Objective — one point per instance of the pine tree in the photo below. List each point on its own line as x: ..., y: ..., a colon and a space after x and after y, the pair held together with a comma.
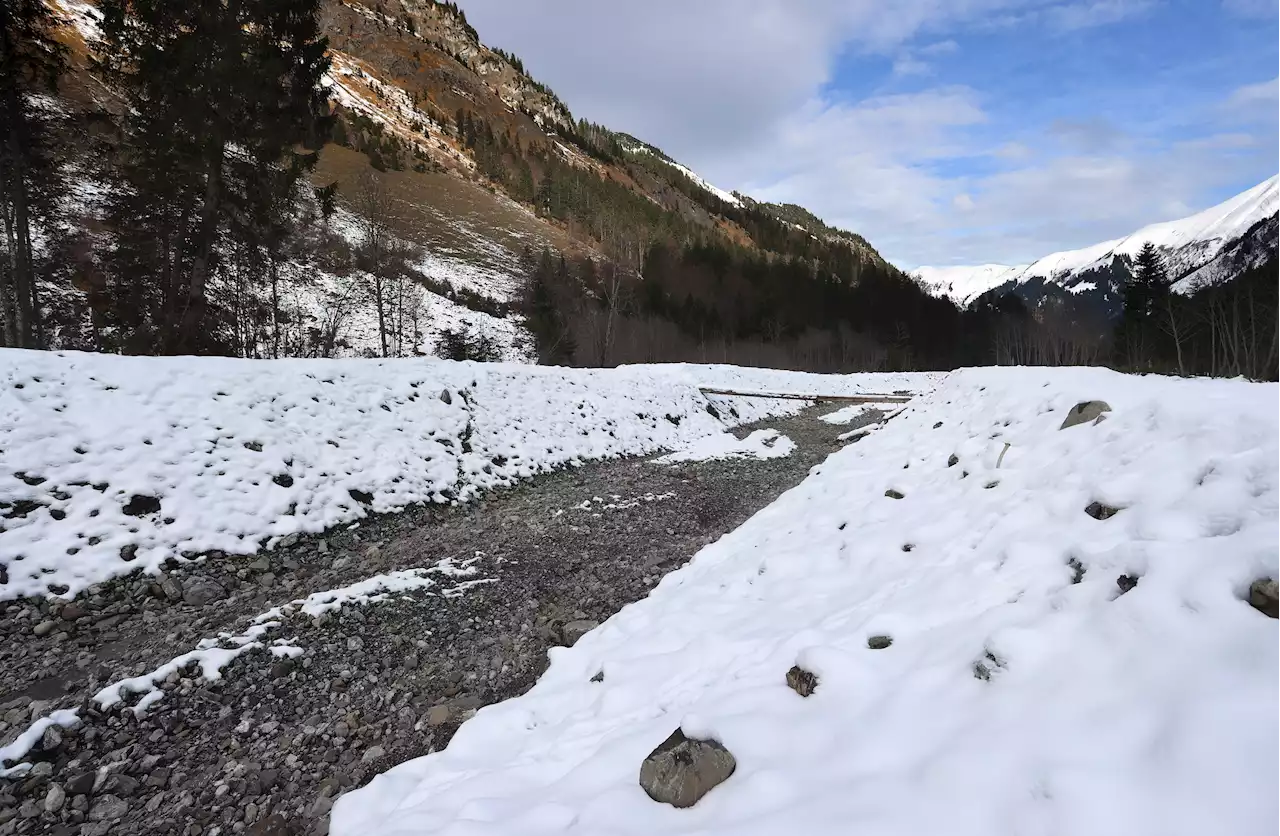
x: 220, y: 93
x: 31, y: 60
x: 1137, y: 335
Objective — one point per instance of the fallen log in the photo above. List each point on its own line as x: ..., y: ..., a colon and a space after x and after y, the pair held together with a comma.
x: 855, y: 399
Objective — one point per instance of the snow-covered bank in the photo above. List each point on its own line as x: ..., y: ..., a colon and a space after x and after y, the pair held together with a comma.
x: 111, y: 464
x: 1046, y: 671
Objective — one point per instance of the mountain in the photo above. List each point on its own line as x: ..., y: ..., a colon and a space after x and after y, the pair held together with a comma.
x: 1204, y: 249
x: 479, y: 164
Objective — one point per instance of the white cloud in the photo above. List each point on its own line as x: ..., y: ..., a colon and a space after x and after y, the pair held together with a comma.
x: 1094, y: 13
x: 736, y: 91
x: 1261, y: 95
x: 906, y: 65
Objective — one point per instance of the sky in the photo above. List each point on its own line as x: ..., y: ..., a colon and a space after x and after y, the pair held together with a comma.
x: 944, y: 131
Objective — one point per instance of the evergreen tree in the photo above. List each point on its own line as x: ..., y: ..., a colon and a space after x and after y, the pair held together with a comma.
x: 1138, y: 338
x: 31, y: 60
x: 220, y: 93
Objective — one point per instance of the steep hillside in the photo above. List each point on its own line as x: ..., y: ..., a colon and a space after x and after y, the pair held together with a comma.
x: 1204, y: 249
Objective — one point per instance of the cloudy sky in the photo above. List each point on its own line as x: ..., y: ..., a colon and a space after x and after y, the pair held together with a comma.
x: 945, y: 131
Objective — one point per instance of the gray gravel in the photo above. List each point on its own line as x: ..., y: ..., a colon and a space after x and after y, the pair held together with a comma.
x: 266, y: 749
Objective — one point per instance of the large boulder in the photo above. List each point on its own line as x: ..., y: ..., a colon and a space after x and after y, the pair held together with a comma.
x: 1084, y: 412
x: 682, y: 770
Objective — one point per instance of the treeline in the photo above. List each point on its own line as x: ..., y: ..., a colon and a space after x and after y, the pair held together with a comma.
x: 716, y: 303
x: 1225, y: 330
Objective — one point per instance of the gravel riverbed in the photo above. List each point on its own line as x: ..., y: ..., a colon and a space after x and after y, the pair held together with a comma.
x: 269, y: 746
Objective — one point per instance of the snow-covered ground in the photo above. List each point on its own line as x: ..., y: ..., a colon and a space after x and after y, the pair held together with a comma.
x: 1047, y: 672
x: 112, y: 464
x: 761, y: 444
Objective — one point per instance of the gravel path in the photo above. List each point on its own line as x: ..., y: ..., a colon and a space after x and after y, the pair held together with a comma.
x: 267, y: 748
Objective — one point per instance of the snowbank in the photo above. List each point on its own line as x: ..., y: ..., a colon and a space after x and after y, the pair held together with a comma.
x: 111, y: 464
x: 1024, y: 691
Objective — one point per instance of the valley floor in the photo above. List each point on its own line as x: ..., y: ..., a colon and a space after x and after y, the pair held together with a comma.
x: 267, y: 746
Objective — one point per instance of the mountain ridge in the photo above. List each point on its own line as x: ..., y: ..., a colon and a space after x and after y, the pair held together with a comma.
x: 1191, y: 248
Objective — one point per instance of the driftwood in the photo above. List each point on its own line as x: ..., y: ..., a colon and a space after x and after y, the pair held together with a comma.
x: 855, y: 399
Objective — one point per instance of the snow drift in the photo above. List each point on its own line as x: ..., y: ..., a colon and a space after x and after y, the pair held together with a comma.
x: 112, y: 464
x: 1047, y: 671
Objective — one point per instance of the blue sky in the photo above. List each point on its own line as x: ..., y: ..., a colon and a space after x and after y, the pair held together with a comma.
x: 945, y: 131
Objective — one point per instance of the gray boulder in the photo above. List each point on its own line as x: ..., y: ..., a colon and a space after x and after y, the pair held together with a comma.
x: 200, y: 591
x: 1085, y: 412
x: 1264, y: 596
x: 681, y: 770
x: 575, y: 630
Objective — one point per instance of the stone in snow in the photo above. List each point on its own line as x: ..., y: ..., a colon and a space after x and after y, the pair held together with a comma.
x: 575, y: 630
x: 1084, y: 412
x: 801, y: 681
x: 681, y: 770
x: 1264, y: 596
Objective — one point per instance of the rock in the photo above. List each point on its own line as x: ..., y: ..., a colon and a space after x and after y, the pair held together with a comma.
x: 81, y: 784
x: 267, y: 579
x: 71, y: 612
x: 108, y: 808
x: 322, y: 546
x: 200, y: 591
x: 879, y: 642
x: 44, y: 628
x: 51, y: 739
x: 30, y: 809
x: 801, y: 681
x: 599, y: 677
x: 140, y: 505
x: 171, y: 587
x: 953, y: 460
x: 574, y: 630
x: 1084, y: 412
x: 445, y: 396
x: 320, y: 808
x: 1100, y: 512
x: 438, y: 715
x: 1126, y: 582
x: 892, y: 494
x: 118, y: 783
x: 273, y: 825
x: 260, y: 564
x: 54, y: 798
x: 681, y: 770
x: 1264, y: 596
x: 372, y: 754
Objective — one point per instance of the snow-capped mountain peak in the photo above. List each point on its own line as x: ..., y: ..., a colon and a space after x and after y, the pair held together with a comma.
x: 1194, y: 248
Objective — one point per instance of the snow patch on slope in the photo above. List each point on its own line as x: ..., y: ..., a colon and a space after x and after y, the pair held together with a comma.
x: 1186, y: 245
x: 1025, y: 690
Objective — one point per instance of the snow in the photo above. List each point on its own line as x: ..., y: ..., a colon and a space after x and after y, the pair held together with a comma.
x: 761, y: 444
x: 115, y: 464
x: 964, y: 284
x: 1011, y: 701
x: 1186, y: 245
x: 727, y: 197
x: 848, y: 414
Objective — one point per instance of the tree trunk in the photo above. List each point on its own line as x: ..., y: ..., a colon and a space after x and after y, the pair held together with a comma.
x: 185, y: 328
